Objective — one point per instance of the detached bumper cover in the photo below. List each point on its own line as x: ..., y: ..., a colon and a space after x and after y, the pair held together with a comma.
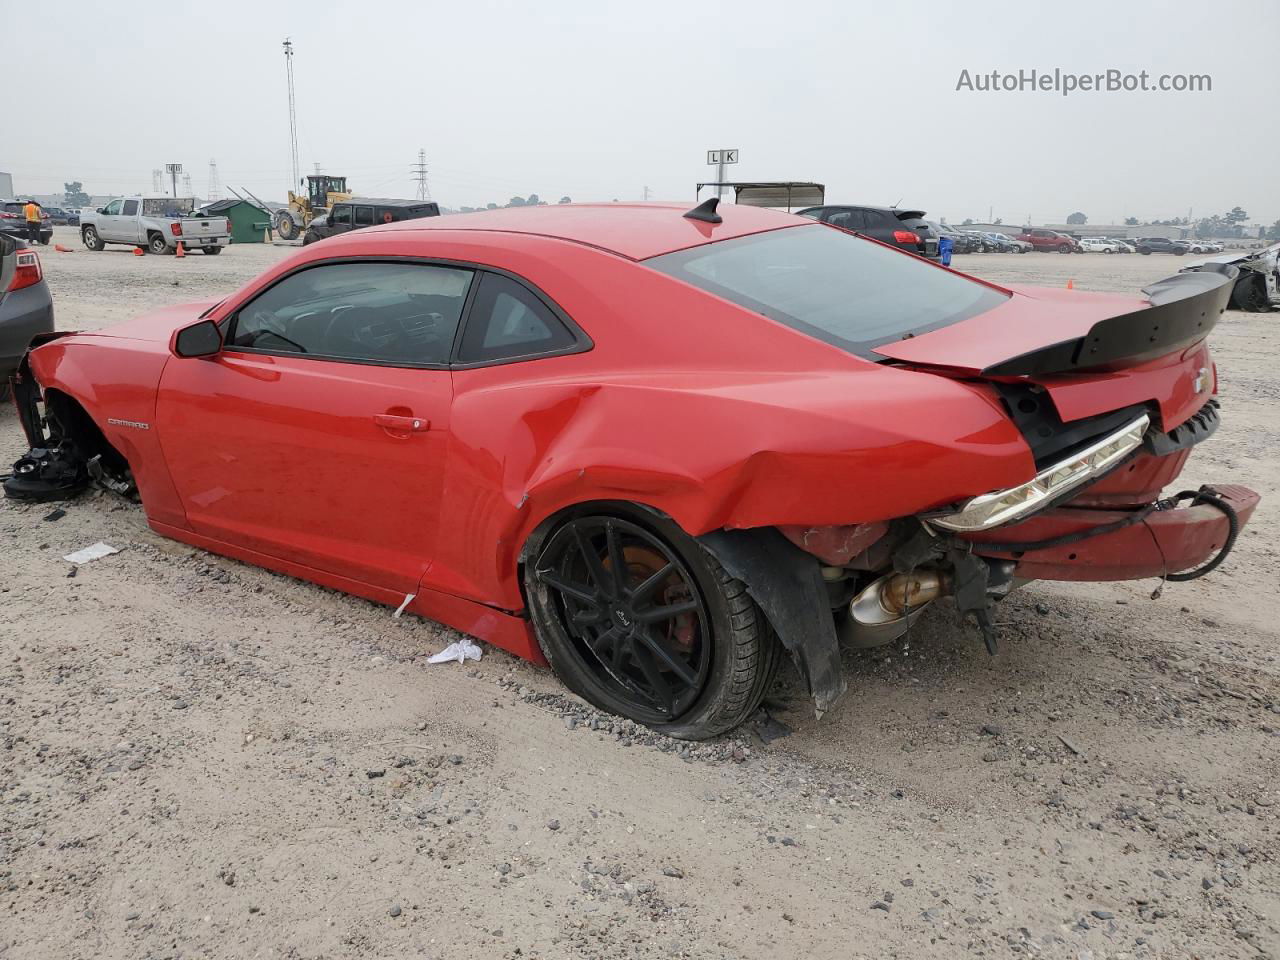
x: 1166, y: 541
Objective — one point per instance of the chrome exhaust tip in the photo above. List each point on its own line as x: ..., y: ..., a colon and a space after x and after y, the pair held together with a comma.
x: 884, y: 609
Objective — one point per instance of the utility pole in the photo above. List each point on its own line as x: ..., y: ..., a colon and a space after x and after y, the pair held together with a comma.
x: 215, y: 191
x: 420, y: 174
x: 293, y: 116
x: 173, y: 169
x: 646, y: 194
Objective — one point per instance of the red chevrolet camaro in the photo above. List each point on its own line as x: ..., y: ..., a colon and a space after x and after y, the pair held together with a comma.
x: 652, y: 447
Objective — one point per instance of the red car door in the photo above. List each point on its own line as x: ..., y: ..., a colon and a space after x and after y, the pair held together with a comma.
x: 318, y: 434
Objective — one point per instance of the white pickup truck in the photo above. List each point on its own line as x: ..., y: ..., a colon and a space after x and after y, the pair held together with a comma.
x: 157, y: 224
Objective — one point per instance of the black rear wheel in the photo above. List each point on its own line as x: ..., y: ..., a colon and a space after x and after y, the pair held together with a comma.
x: 637, y: 618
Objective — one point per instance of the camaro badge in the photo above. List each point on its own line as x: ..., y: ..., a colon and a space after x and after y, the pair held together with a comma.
x: 136, y: 424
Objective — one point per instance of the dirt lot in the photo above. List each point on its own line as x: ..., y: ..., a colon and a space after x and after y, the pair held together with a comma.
x: 203, y: 759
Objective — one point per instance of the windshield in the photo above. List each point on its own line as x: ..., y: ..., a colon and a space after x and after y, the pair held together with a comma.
x: 840, y: 288
x: 168, y: 207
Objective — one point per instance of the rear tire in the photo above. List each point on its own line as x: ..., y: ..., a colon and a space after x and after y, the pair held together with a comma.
x: 90, y: 237
x: 156, y: 244
x: 211, y: 251
x: 692, y: 674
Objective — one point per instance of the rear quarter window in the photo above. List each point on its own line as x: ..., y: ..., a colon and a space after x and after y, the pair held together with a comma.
x: 844, y: 290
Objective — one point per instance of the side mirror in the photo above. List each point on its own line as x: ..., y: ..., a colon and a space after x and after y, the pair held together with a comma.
x: 102, y: 209
x: 202, y: 339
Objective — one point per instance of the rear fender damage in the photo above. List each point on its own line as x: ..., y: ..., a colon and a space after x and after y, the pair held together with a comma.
x: 787, y: 584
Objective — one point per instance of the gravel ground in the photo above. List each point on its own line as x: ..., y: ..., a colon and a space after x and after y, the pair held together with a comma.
x: 204, y: 759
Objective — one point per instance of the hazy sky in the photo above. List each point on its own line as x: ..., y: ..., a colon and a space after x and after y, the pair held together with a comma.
x: 597, y: 100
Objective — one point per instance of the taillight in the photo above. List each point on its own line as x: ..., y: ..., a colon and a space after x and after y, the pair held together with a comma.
x: 175, y: 228
x: 8, y: 216
x: 905, y: 236
x: 28, y: 271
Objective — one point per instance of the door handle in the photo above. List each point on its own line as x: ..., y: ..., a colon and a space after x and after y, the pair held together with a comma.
x: 402, y: 424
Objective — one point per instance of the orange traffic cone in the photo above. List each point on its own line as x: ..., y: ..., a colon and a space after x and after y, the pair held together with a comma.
x: 180, y: 252
x: 61, y: 249
x: 1070, y: 285
x: 137, y: 251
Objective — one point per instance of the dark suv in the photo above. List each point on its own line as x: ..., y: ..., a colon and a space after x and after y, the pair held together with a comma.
x: 13, y: 221
x: 1161, y: 245
x: 1041, y: 239
x: 366, y: 212
x: 905, y: 229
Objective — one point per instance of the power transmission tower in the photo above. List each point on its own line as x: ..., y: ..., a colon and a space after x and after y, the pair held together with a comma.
x: 156, y: 174
x: 186, y: 184
x: 420, y: 174
x: 293, y: 117
x: 215, y: 191
x: 646, y: 194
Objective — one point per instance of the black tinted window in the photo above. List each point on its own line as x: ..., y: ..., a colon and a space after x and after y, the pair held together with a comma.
x: 849, y: 219
x: 391, y: 312
x: 130, y: 208
x: 838, y: 288
x: 364, y: 216
x: 341, y: 215
x: 507, y: 320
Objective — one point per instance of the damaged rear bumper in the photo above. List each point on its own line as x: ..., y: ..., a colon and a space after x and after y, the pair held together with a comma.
x: 1163, y: 542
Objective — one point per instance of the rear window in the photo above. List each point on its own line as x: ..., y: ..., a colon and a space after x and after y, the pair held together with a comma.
x: 173, y: 208
x: 841, y: 289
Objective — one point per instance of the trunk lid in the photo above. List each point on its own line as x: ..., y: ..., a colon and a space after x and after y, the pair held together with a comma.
x: 1093, y: 353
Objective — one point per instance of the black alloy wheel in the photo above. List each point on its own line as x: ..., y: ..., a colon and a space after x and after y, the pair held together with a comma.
x: 641, y: 621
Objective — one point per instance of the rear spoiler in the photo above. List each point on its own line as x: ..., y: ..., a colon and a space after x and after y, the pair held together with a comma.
x: 1184, y: 308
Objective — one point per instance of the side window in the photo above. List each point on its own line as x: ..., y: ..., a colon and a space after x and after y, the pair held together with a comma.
x: 507, y: 320
x: 364, y: 216
x: 112, y: 209
x: 398, y: 313
x: 130, y: 208
x: 849, y: 219
x: 388, y: 214
x: 875, y: 220
x: 341, y: 215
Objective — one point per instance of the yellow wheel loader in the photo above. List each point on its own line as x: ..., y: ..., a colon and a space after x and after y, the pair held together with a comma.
x: 322, y: 192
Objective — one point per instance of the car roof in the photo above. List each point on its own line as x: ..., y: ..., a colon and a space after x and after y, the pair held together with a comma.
x: 898, y: 212
x: 387, y: 202
x: 633, y: 230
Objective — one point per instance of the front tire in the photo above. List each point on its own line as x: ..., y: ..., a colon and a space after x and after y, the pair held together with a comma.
x: 90, y: 237
x: 286, y: 227
x: 674, y: 642
x: 1064, y: 248
x: 1249, y: 294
